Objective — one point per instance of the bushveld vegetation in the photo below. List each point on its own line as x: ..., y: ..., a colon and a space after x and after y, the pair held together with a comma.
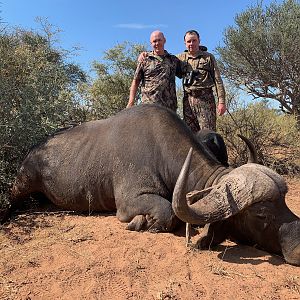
x: 38, y: 94
x: 42, y: 91
x: 274, y: 135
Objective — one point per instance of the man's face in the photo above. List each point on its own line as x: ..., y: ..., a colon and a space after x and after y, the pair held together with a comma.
x: 192, y: 42
x: 157, y: 41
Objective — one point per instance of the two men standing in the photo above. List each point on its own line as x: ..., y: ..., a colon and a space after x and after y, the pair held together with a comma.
x: 198, y: 68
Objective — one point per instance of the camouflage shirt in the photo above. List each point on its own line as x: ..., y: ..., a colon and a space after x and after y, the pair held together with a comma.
x: 157, y: 74
x: 207, y: 74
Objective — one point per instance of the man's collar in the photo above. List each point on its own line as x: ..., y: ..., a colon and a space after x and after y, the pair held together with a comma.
x: 200, y: 51
x: 166, y: 53
x: 159, y: 57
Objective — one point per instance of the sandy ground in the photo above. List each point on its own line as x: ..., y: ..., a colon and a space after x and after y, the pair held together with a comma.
x: 67, y: 256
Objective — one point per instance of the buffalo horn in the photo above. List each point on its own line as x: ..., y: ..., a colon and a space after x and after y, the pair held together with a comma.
x: 252, y: 151
x: 236, y: 190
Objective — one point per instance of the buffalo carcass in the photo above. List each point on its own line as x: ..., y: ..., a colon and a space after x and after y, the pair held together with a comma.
x: 130, y: 163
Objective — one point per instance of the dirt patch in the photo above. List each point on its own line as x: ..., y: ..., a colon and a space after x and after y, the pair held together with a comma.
x: 65, y: 256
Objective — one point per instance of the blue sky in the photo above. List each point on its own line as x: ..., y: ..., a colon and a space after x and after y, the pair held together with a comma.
x: 97, y: 26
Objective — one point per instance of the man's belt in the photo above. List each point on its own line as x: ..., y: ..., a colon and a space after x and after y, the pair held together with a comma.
x: 200, y: 92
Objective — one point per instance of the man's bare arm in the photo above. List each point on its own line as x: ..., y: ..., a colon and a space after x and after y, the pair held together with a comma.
x: 133, y: 90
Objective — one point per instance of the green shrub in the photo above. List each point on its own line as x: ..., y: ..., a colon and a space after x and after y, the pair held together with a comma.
x: 38, y: 94
x: 274, y: 135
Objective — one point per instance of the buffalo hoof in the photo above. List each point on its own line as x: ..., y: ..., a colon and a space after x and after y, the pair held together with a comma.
x: 289, y: 236
x: 145, y: 223
x: 137, y: 223
x: 205, y: 239
x: 211, y: 235
x: 5, y: 214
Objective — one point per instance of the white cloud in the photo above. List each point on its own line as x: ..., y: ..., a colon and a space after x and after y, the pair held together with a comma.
x: 140, y: 26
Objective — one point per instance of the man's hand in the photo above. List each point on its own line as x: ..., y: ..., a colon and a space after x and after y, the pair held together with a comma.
x: 221, y: 109
x: 142, y: 56
x: 129, y: 104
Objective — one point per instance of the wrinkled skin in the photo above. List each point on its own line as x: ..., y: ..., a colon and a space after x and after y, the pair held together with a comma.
x: 268, y: 224
x: 131, y: 162
x: 252, y: 226
x: 128, y: 163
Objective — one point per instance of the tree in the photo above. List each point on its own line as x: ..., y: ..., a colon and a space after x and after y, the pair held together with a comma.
x: 109, y: 92
x: 261, y: 54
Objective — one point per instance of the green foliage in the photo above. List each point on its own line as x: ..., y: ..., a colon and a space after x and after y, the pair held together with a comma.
x: 38, y: 94
x: 109, y: 92
x: 261, y: 53
x: 274, y: 135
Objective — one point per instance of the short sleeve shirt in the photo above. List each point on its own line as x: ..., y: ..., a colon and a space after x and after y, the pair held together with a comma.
x: 157, y: 74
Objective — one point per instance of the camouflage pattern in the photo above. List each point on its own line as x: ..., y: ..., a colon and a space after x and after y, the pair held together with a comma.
x: 199, y: 110
x: 157, y: 74
x: 199, y: 107
x: 207, y: 74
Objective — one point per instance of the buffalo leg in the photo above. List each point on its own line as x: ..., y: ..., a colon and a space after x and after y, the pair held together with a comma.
x: 147, y: 212
x: 21, y: 190
x: 211, y: 235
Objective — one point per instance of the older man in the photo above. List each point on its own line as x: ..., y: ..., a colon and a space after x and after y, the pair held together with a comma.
x: 157, y: 74
x: 199, y: 107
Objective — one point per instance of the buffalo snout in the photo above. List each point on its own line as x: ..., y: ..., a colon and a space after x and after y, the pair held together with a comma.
x: 289, y: 238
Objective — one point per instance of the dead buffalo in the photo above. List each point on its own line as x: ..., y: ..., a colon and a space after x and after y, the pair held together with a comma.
x: 131, y: 162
